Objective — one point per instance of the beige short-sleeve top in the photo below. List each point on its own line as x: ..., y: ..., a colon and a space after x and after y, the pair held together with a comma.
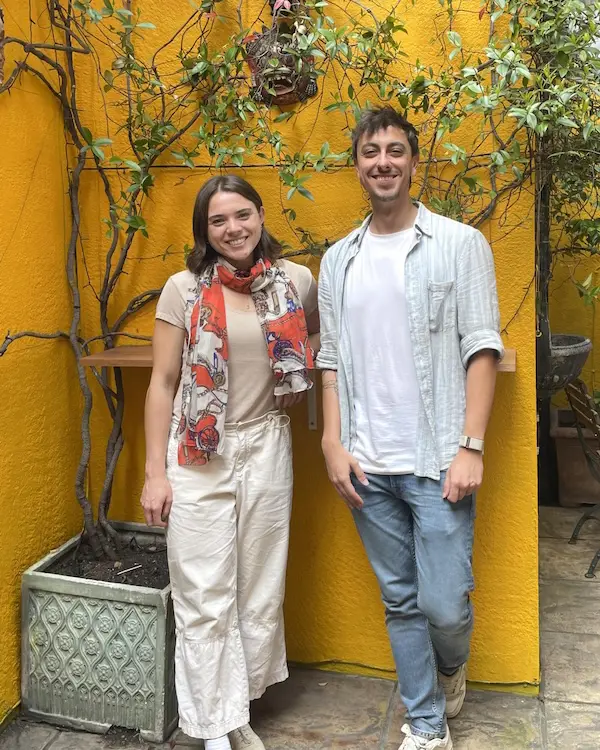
x: 251, y: 382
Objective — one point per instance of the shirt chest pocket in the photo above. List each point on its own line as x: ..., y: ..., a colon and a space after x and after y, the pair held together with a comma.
x: 442, y: 305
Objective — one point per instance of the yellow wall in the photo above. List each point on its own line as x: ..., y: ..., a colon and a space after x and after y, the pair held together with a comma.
x: 333, y: 608
x: 39, y: 405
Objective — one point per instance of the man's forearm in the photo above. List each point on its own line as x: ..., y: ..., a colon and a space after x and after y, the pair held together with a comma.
x: 480, y: 386
x: 331, y: 408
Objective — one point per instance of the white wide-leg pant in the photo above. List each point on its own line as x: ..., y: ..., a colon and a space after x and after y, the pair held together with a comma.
x: 227, y: 542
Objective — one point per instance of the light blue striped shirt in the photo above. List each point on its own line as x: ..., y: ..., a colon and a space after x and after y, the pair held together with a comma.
x: 452, y: 314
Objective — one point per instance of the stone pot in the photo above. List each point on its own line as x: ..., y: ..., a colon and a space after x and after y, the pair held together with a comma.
x: 576, y: 484
x: 98, y: 654
x: 568, y: 354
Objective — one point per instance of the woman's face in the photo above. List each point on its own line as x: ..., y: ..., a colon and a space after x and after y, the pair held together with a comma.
x: 234, y: 228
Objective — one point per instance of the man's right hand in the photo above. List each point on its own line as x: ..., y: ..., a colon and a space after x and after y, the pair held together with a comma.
x: 157, y: 498
x: 340, y: 465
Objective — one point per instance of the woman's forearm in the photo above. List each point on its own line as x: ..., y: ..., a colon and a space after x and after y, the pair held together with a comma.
x: 157, y: 421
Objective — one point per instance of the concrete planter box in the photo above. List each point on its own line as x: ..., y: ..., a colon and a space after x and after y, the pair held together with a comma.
x: 576, y: 485
x: 98, y: 654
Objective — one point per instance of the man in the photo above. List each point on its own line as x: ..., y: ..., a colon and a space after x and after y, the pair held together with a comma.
x: 409, y: 347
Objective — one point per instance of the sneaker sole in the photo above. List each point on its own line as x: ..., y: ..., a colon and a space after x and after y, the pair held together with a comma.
x: 452, y: 714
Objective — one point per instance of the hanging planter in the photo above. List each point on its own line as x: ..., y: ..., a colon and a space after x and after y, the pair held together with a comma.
x: 568, y: 353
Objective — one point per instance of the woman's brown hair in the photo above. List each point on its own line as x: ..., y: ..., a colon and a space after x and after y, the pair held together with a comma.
x: 203, y: 255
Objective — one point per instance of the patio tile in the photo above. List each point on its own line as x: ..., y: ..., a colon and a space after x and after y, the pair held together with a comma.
x: 558, y: 523
x: 83, y: 741
x: 571, y: 667
x: 570, y: 607
x: 494, y: 721
x: 315, y: 710
x: 181, y: 741
x: 572, y: 726
x: 23, y: 736
x: 562, y: 561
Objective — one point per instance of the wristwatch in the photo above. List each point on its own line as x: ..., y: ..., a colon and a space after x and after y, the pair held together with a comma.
x: 471, y: 443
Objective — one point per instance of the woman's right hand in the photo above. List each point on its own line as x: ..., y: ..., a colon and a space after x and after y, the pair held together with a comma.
x: 157, y: 498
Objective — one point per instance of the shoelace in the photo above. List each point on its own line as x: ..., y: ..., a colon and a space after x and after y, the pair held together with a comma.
x: 411, y: 742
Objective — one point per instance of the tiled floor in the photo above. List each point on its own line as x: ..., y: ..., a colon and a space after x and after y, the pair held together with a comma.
x: 326, y: 711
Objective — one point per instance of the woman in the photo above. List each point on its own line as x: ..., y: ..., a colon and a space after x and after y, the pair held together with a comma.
x: 233, y: 330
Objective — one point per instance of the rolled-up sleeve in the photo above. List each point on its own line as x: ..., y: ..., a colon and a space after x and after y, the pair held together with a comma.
x: 327, y: 358
x: 477, y: 300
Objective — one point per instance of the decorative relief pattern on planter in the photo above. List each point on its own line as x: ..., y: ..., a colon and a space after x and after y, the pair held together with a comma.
x: 98, y: 654
x: 110, y: 678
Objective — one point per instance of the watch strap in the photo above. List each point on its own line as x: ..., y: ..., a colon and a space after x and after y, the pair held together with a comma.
x: 471, y: 443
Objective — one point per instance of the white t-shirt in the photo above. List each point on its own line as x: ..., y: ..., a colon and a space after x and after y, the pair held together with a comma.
x: 386, y: 390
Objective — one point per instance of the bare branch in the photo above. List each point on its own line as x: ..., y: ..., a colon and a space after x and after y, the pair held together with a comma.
x: 107, y: 336
x: 136, y: 304
x: 10, y: 337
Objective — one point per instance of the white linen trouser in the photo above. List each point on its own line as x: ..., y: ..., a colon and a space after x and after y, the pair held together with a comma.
x: 227, y: 543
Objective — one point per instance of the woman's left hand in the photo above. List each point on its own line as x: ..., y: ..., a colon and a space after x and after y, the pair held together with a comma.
x: 290, y: 399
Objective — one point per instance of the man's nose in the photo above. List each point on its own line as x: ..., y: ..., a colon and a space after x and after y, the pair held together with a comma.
x: 383, y: 162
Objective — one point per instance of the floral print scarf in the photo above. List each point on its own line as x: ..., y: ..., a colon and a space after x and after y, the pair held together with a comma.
x: 205, y: 382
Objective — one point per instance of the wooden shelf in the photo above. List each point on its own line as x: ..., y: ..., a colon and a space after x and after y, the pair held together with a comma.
x: 509, y: 362
x: 121, y: 356
x: 141, y: 356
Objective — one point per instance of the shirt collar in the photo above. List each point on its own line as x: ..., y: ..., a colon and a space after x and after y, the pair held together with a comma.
x: 422, y: 224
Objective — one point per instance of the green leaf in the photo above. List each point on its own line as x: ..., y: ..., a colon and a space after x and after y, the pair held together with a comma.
x: 454, y: 38
x: 283, y: 116
x: 87, y: 135
x: 567, y: 122
x: 306, y: 193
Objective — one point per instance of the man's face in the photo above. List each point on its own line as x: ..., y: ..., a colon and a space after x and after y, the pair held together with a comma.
x: 385, y: 164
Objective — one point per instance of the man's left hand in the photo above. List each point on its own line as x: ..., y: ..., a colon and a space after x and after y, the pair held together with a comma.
x: 464, y: 475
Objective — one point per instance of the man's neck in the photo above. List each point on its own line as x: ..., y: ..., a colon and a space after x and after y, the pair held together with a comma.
x: 392, y: 217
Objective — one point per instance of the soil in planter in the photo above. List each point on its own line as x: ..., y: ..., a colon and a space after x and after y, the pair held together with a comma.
x: 135, y: 565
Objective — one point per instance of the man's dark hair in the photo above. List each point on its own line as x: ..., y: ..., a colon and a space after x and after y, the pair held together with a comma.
x: 373, y: 120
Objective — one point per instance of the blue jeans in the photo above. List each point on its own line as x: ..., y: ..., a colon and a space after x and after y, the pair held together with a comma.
x: 420, y: 548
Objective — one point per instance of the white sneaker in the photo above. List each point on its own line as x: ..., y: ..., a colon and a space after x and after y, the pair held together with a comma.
x: 414, y: 742
x: 455, y: 688
x: 244, y: 738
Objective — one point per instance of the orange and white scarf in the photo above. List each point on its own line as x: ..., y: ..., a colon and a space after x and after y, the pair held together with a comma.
x: 205, y: 379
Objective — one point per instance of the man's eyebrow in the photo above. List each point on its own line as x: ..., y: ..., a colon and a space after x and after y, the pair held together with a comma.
x: 393, y: 144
